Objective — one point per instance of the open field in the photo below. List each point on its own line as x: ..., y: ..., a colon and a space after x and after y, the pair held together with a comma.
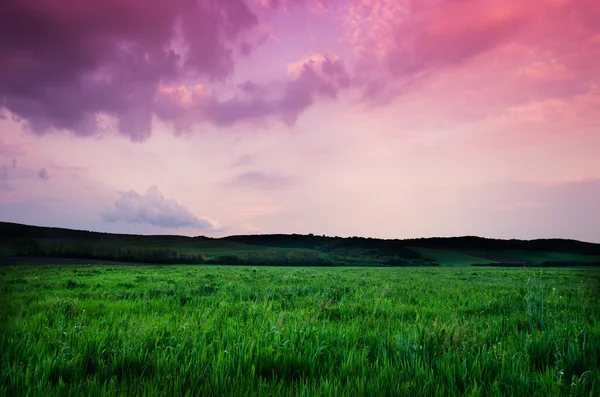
x: 457, y: 257
x: 446, y: 257
x: 216, y: 330
x: 541, y: 256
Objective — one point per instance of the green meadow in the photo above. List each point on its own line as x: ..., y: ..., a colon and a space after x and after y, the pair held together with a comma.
x: 447, y: 257
x: 298, y: 331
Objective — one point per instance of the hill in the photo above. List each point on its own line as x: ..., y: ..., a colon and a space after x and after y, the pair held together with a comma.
x: 292, y: 249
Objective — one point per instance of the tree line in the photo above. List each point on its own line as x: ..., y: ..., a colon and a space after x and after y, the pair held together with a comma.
x: 32, y: 248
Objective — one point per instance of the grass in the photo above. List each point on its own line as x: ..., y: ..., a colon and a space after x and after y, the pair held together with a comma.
x: 453, y: 257
x: 446, y: 257
x: 547, y: 256
x: 224, y: 330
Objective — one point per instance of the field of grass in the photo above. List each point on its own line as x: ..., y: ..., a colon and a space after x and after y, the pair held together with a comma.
x: 546, y: 256
x: 452, y: 257
x: 447, y: 257
x: 220, y: 331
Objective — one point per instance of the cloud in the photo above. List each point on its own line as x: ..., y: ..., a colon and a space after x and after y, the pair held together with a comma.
x: 11, y: 149
x: 397, y: 42
x: 250, y: 88
x: 262, y: 181
x: 316, y: 76
x: 243, y: 160
x: 72, y: 66
x: 62, y: 64
x: 314, y: 5
x: 43, y: 174
x: 154, y: 209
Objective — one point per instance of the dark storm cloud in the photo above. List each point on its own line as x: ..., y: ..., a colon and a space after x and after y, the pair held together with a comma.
x: 63, y: 62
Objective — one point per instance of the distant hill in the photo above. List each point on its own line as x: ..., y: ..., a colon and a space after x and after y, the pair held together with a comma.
x: 329, y: 244
x: 16, y: 230
x: 480, y: 243
x: 294, y: 249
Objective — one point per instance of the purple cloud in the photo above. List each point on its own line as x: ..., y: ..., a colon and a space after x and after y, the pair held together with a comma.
x: 243, y: 160
x: 67, y: 63
x: 261, y: 181
x: 251, y: 88
x: 43, y: 174
x: 320, y: 75
x: 10, y: 149
x: 63, y: 63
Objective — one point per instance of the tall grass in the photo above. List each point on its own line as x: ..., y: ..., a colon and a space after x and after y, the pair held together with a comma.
x: 210, y: 330
x: 306, y: 257
x: 535, y: 302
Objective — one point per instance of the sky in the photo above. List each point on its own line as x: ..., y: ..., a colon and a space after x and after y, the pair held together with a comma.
x: 381, y: 118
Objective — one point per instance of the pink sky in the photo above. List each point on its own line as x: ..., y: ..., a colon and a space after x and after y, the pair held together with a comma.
x: 383, y: 118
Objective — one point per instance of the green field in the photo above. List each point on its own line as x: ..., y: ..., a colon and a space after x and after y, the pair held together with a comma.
x: 224, y: 330
x: 454, y: 257
x: 541, y: 256
x: 447, y: 257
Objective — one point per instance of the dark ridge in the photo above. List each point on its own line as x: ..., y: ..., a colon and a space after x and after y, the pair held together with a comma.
x: 481, y: 243
x: 52, y: 241
x: 10, y: 230
x: 455, y: 243
x: 328, y: 244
